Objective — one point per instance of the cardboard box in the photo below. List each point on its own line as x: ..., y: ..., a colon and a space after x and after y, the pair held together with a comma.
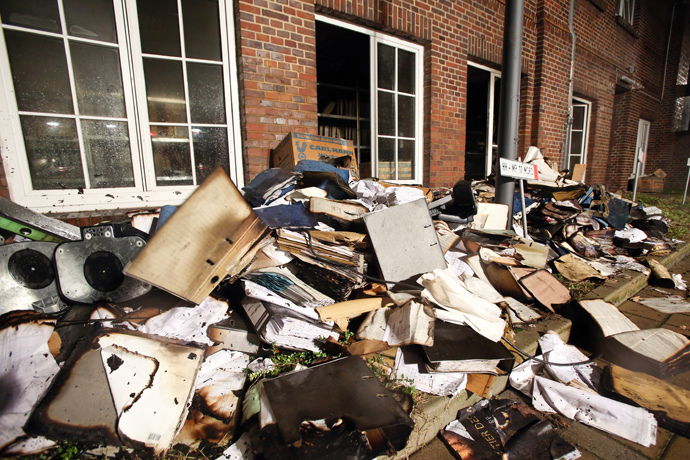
x: 654, y: 182
x: 298, y: 146
x: 486, y: 385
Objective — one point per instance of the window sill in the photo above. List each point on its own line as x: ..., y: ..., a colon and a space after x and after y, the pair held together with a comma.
x: 627, y: 26
x: 601, y: 4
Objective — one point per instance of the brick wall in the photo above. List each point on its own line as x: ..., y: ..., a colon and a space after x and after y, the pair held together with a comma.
x: 277, y: 70
x: 677, y: 143
x: 452, y: 33
x: 278, y: 73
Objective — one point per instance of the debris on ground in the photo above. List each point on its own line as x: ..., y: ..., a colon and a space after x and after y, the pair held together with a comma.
x: 303, y: 317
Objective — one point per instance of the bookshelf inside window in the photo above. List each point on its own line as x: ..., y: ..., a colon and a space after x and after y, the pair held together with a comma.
x: 344, y: 114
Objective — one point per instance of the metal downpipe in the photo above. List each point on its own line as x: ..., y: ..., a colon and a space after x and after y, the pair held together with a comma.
x: 509, y: 108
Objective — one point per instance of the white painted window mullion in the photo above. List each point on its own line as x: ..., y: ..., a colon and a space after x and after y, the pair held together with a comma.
x: 75, y: 101
x: 229, y: 66
x: 183, y: 50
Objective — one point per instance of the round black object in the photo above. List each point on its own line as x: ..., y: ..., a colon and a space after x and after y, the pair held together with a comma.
x: 103, y: 271
x: 31, y: 269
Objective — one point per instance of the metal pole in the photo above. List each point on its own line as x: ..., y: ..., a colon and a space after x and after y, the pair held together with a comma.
x: 524, y: 211
x: 509, y: 109
x: 685, y: 194
x: 638, y: 166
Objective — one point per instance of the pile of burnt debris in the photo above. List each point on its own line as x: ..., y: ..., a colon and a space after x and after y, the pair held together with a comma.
x: 287, y: 320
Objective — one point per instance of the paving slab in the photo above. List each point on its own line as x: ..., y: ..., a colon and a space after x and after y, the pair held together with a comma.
x: 635, y: 308
x: 593, y: 443
x: 678, y: 449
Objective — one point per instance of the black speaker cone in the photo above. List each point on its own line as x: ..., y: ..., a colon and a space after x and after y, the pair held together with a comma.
x: 103, y: 271
x: 31, y: 269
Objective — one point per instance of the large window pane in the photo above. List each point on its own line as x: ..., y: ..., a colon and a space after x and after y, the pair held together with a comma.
x: 165, y: 91
x: 39, y: 71
x: 405, y: 116
x: 578, y: 117
x: 576, y: 143
x: 52, y: 148
x: 159, y: 27
x: 98, y: 81
x: 108, y: 157
x: 206, y: 98
x: 386, y: 115
x: 93, y: 19
x: 386, y: 162
x: 406, y: 161
x: 210, y: 151
x: 406, y: 72
x: 34, y: 14
x: 386, y: 66
x: 201, y: 29
x: 171, y: 155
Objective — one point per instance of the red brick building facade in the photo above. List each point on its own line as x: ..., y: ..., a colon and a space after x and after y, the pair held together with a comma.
x: 630, y: 72
x: 277, y: 66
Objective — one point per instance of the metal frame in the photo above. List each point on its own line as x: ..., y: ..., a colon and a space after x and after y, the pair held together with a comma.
x: 145, y: 193
x: 418, y: 50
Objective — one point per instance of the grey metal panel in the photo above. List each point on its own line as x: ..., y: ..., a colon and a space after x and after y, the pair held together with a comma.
x: 26, y: 216
x: 27, y: 277
x: 405, y: 241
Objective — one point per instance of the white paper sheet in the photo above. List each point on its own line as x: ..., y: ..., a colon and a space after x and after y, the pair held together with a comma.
x: 443, y: 288
x: 572, y: 401
x: 437, y: 383
x: 631, y: 423
x: 608, y: 317
x: 188, y: 324
x: 669, y: 305
x: 26, y: 369
x: 241, y: 450
x: 409, y: 324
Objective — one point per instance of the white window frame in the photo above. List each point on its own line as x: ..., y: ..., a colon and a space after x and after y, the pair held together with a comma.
x: 145, y: 193
x: 585, y: 137
x: 374, y: 39
x: 625, y: 9
x: 491, y: 99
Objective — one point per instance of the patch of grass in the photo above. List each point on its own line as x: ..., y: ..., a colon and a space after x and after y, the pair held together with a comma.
x: 580, y: 288
x: 286, y: 361
x: 671, y: 203
x: 392, y: 381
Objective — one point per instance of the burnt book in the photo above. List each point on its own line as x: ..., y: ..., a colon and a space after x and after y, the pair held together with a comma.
x: 659, y: 352
x: 461, y: 349
x: 286, y: 328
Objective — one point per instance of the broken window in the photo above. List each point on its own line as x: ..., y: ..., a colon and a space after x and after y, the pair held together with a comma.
x: 119, y: 103
x: 370, y: 89
x: 625, y: 10
x: 579, y: 133
x: 481, y: 147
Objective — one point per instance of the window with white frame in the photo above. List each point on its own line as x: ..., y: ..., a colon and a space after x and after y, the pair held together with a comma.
x: 625, y: 10
x: 387, y: 120
x: 579, y: 133
x: 481, y: 139
x: 115, y: 103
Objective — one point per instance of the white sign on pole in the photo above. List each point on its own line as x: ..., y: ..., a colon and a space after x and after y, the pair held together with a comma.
x: 518, y: 170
